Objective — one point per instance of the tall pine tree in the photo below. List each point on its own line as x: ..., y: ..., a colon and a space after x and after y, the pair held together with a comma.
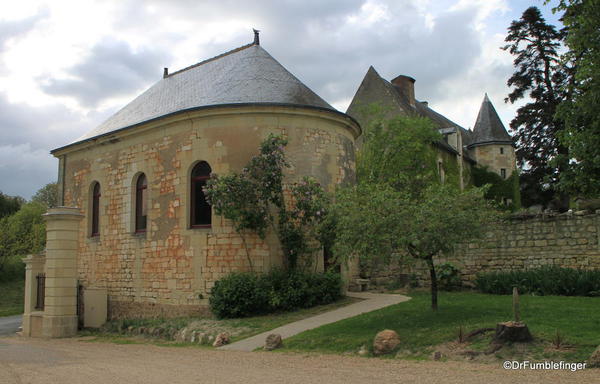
x: 540, y: 76
x: 580, y: 112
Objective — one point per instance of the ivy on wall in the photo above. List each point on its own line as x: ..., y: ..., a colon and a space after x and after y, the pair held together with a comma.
x: 505, y: 191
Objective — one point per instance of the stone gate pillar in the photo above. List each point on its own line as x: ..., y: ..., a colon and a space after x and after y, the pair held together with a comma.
x: 60, y: 305
x: 32, y: 316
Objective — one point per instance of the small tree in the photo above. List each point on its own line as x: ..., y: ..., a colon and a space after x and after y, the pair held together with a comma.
x: 47, y: 195
x: 400, y: 207
x: 254, y: 201
x: 380, y: 224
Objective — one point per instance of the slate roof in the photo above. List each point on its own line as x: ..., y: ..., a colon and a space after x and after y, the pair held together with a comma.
x: 488, y: 127
x: 245, y: 75
x: 375, y: 88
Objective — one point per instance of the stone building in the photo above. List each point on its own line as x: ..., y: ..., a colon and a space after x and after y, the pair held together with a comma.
x: 147, y: 235
x: 489, y: 144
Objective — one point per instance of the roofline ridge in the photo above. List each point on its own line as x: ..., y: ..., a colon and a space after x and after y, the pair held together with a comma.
x: 212, y: 59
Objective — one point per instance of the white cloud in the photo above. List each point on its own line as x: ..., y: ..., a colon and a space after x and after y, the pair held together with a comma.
x: 66, y: 65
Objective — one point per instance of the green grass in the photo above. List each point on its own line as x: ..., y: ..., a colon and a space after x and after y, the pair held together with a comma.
x: 421, y: 329
x: 251, y: 325
x: 11, y: 297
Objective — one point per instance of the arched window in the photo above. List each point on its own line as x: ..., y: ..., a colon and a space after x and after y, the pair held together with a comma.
x: 141, y: 203
x: 96, y: 210
x: 200, y: 214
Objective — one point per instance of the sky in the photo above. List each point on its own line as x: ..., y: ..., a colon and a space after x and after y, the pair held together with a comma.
x: 66, y: 66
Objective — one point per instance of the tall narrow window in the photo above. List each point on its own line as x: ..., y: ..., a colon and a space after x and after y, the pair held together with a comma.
x: 503, y: 173
x: 200, y: 215
x: 441, y: 171
x: 501, y: 151
x: 96, y: 210
x: 141, y: 203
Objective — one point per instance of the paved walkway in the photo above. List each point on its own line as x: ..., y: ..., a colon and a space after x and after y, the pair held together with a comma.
x: 371, y: 302
x: 10, y: 324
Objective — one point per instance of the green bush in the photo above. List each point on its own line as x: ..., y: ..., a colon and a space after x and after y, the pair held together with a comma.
x: 242, y: 294
x: 448, y: 277
x: 547, y: 280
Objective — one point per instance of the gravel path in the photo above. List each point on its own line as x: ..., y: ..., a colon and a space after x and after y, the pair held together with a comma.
x: 371, y: 302
x: 74, y: 361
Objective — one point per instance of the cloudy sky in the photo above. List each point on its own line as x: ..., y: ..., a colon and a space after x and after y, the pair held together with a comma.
x: 65, y: 66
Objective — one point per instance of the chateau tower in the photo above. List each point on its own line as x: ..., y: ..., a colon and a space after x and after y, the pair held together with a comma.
x: 491, y: 145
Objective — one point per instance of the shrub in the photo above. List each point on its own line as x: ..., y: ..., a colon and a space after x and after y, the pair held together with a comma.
x: 547, y: 280
x: 448, y: 277
x: 246, y: 294
x: 238, y: 295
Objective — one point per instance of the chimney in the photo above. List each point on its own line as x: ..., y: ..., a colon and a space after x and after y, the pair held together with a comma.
x: 165, y: 73
x: 406, y: 86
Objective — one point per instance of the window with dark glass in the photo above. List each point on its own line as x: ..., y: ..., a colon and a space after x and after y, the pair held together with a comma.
x: 200, y: 215
x: 501, y: 151
x: 141, y: 203
x: 96, y: 210
x: 503, y: 173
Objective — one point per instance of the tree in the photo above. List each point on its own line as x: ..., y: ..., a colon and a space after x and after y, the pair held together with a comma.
x: 579, y: 112
x: 399, y: 207
x: 22, y: 233
x: 254, y: 201
x: 47, y: 195
x: 398, y: 152
x: 9, y: 204
x: 540, y: 76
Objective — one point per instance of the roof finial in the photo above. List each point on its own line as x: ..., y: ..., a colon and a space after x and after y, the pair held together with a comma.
x: 256, y: 38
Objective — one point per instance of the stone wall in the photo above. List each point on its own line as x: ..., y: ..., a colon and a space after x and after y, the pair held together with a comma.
x: 521, y: 242
x: 171, y: 268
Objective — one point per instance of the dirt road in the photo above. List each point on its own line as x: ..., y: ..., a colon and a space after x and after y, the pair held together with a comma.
x: 76, y: 361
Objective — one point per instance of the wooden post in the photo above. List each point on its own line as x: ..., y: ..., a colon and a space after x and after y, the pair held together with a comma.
x: 516, y: 309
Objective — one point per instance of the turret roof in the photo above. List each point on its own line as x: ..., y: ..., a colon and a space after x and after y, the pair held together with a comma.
x: 488, y: 127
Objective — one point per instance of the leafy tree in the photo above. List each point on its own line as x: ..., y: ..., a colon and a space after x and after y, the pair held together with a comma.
x: 540, y: 76
x: 22, y: 233
x: 399, y: 206
x: 580, y: 111
x: 254, y: 201
x: 47, y: 195
x: 398, y: 152
x: 9, y: 204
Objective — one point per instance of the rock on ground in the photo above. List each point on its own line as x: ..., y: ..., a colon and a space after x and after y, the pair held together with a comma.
x: 594, y: 360
x: 273, y: 341
x: 385, y: 342
x: 221, y: 339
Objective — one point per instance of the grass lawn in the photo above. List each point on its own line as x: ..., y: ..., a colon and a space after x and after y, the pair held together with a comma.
x: 11, y: 297
x: 577, y: 320
x: 240, y: 328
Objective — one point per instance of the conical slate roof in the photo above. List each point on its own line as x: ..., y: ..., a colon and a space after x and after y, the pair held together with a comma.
x: 488, y: 127
x: 246, y: 75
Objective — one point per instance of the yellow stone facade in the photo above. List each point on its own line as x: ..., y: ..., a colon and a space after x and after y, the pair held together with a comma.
x: 496, y: 157
x: 170, y: 269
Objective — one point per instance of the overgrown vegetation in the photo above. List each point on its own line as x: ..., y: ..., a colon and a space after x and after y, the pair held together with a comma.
x: 547, y: 280
x: 504, y: 191
x: 422, y: 331
x: 242, y: 294
x: 254, y: 201
x: 21, y: 233
x: 400, y: 206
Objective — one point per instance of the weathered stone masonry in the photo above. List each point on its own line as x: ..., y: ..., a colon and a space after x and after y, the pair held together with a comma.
x: 565, y: 240
x: 170, y: 269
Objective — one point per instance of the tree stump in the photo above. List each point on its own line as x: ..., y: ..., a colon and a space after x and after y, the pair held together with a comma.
x: 512, y: 331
